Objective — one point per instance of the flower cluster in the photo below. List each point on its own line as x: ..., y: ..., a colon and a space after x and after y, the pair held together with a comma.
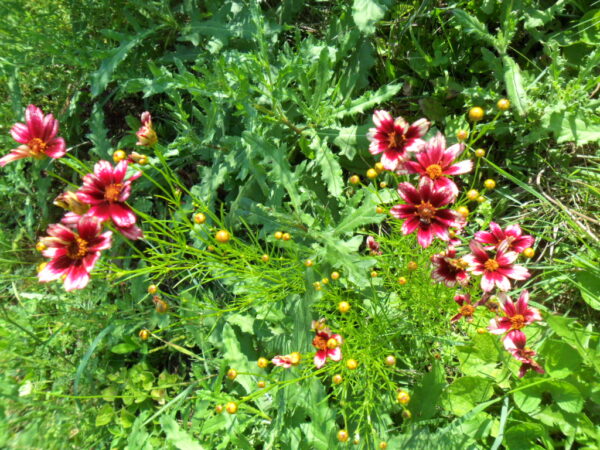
x: 74, y: 245
x: 426, y: 210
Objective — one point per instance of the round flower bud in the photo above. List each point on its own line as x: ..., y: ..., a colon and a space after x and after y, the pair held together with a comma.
x: 342, y: 436
x: 222, y: 236
x: 463, y: 211
x: 529, y: 252
x: 378, y: 167
x: 40, y: 247
x: 402, y: 280
x: 325, y: 280
x: 337, y: 379
x: 476, y: 114
x: 480, y: 199
x: 152, y: 289
x: 503, y: 104
x: 144, y: 334
x: 481, y: 330
x: 199, y: 218
x: 286, y: 236
x: 352, y: 364
x: 412, y: 265
x: 354, y: 179
x: 261, y: 384
x: 211, y: 248
x: 160, y: 305
x: 383, y: 185
x: 406, y: 414
x: 480, y: 153
x: 262, y: 362
x: 343, y: 307
x: 119, y: 155
x: 383, y: 445
x: 278, y: 235
x: 335, y: 275
x: 232, y: 374
x: 231, y: 407
x: 473, y: 194
x: 295, y: 358
x: 374, y: 274
x: 317, y: 285
x: 265, y: 258
x: 403, y: 397
x: 332, y: 343
x: 390, y: 360
x: 489, y: 183
x: 308, y: 263
x: 219, y: 409
x: 143, y: 160
x: 379, y: 210
x: 462, y: 135
x: 371, y: 173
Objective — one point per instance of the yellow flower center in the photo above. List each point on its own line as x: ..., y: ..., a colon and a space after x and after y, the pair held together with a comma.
x: 491, y: 265
x: 434, y: 171
x: 466, y: 310
x: 396, y: 140
x: 319, y: 342
x: 78, y: 248
x: 459, y: 264
x: 517, y: 321
x: 426, y: 211
x: 37, y: 147
x: 112, y: 192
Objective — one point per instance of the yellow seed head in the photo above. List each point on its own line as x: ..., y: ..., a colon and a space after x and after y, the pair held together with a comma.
x: 278, y: 235
x: 343, y: 436
x: 231, y: 407
x: 152, y: 289
x: 261, y: 384
x: 144, y: 334
x: 308, y: 263
x: 529, y: 252
x: 371, y: 173
x: 476, y: 114
x: 402, y: 280
x: 379, y: 210
x: 295, y: 358
x: 480, y: 199
x: 286, y: 236
x: 503, y: 104
x: 262, y: 362
x: 199, y: 218
x: 337, y: 379
x: 473, y: 194
x: 119, y: 155
x: 222, y: 236
x: 219, y: 409
x: 265, y: 258
x: 489, y: 183
x: 403, y: 397
x: 463, y: 211
x: 390, y: 360
x: 383, y: 185
x: 232, y: 374
x: 378, y: 167
x: 383, y: 445
x: 325, y: 280
x: 462, y: 135
x: 211, y: 248
x: 412, y: 265
x: 352, y: 364
x: 335, y: 275
x: 343, y: 307
x: 480, y: 153
x: 374, y: 274
x: 354, y: 179
x: 481, y: 330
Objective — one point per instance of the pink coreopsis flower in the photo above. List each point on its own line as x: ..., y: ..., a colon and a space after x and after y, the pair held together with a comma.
x: 497, y: 269
x: 395, y: 138
x: 37, y: 136
x: 284, y: 361
x: 436, y: 162
x: 327, y: 345
x: 146, y: 134
x: 106, y: 190
x: 516, y: 316
x: 466, y: 307
x: 517, y: 241
x: 373, y: 245
x: 449, y: 269
x: 424, y: 211
x: 73, y: 252
x: 515, y: 343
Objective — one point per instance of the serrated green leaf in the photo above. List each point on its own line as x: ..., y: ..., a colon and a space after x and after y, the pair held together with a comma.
x: 105, y: 415
x: 368, y: 100
x: 366, y: 13
x: 473, y: 26
x: 514, y: 85
x: 331, y: 171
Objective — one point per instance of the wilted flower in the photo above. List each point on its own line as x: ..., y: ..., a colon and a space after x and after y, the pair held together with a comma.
x: 466, y: 307
x: 436, y: 162
x: 496, y: 270
x: 449, y: 269
x: 516, y: 316
x: 424, y: 211
x: 283, y: 361
x: 373, y: 245
x: 73, y: 253
x: 68, y: 200
x: 38, y: 136
x: 146, y: 134
x: 395, y: 138
x: 515, y: 343
x: 322, y: 342
x: 106, y: 190
x: 516, y: 240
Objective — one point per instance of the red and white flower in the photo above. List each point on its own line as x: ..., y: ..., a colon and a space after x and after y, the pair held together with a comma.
x: 517, y: 241
x: 449, y: 269
x: 373, y: 245
x: 284, y: 361
x: 146, y: 134
x: 515, y: 343
x: 327, y: 345
x: 424, y: 211
x: 73, y: 252
x: 466, y: 307
x: 37, y: 136
x: 106, y: 190
x: 516, y: 316
x: 436, y: 162
x: 497, y: 270
x: 395, y: 138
